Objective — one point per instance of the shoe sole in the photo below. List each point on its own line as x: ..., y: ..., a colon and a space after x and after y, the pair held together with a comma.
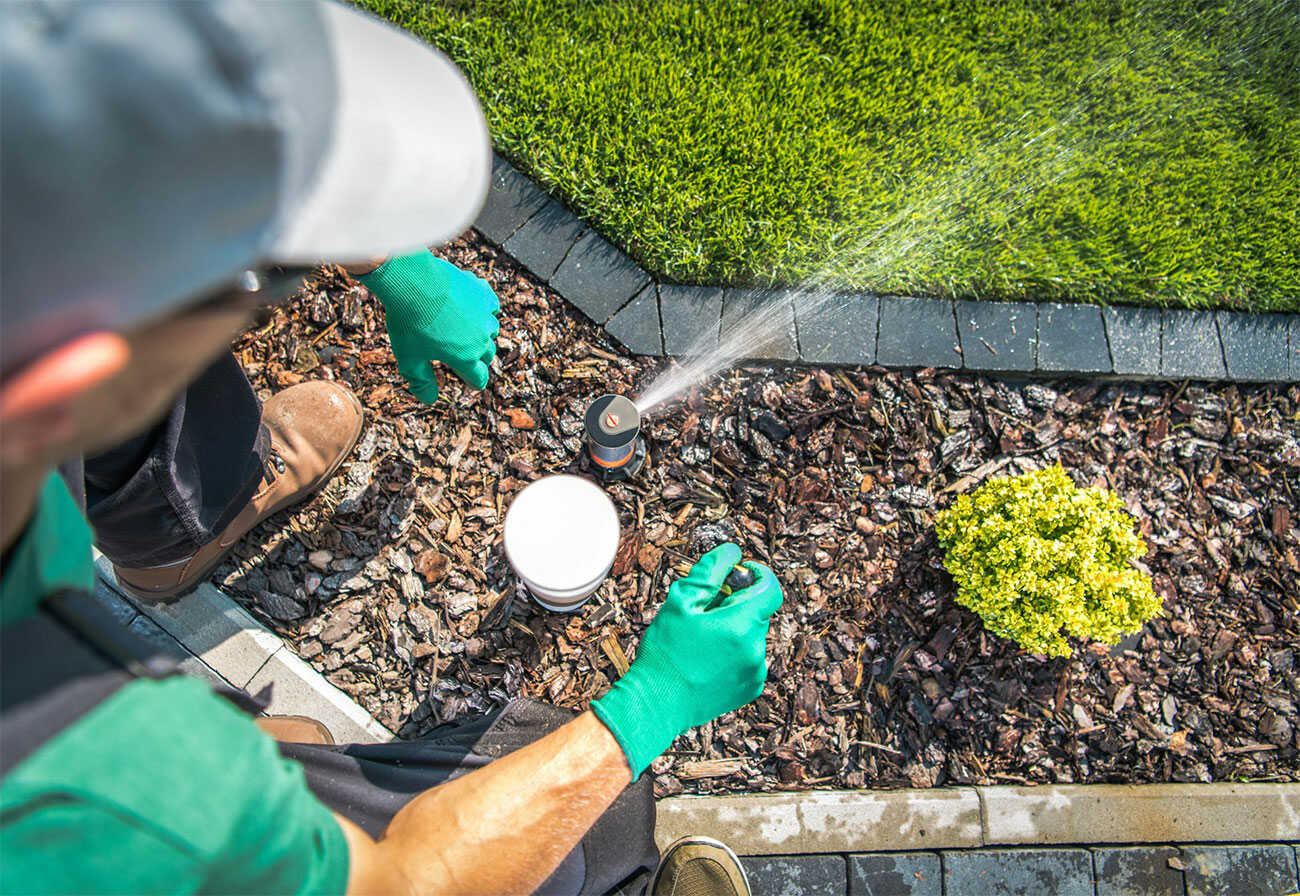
x: 195, y: 579
x: 707, y: 841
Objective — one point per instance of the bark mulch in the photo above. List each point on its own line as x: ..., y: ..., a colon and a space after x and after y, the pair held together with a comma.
x: 393, y: 584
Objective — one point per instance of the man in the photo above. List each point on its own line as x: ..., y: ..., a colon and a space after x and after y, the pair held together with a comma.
x: 170, y: 503
x: 156, y: 158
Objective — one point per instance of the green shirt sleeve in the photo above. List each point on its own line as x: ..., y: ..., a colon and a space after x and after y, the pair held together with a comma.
x: 165, y: 788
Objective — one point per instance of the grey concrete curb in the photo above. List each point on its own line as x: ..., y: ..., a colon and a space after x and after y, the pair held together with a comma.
x: 214, y: 638
x: 655, y: 319
x: 848, y: 821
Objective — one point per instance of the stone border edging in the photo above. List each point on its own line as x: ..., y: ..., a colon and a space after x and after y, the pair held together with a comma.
x: 216, y: 639
x: 848, y: 821
x: 660, y: 319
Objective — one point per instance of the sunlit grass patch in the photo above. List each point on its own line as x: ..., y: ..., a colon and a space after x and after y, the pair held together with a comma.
x: 1131, y: 151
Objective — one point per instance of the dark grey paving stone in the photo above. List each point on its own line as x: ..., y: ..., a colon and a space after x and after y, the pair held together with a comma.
x: 1138, y: 871
x: 917, y: 333
x: 511, y: 200
x: 795, y: 875
x: 1255, y: 345
x: 169, y: 647
x: 117, y: 605
x: 1295, y: 347
x: 637, y: 324
x: 1267, y: 868
x: 998, y: 335
x: 545, y: 238
x: 1190, y: 347
x: 760, y: 323
x: 1072, y: 338
x: 837, y: 329
x: 1134, y: 336
x: 895, y: 874
x: 598, y: 278
x: 691, y: 316
x: 1018, y: 872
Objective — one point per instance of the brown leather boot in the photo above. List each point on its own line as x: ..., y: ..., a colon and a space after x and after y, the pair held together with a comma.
x: 295, y: 729
x: 313, y: 428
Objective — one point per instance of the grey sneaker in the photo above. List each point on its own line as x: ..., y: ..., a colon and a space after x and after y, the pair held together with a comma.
x: 699, y: 866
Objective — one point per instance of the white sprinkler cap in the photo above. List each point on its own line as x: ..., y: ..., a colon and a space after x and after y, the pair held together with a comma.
x: 561, y: 535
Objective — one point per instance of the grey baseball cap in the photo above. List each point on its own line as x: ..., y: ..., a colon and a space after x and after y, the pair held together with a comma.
x: 150, y: 151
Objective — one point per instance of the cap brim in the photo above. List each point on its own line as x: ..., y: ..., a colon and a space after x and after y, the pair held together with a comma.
x: 409, y: 160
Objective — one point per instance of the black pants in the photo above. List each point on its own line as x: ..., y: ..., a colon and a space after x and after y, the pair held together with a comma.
x: 369, y: 783
x: 160, y: 496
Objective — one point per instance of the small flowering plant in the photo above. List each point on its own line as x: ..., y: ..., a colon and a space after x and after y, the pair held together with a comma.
x: 1040, y: 559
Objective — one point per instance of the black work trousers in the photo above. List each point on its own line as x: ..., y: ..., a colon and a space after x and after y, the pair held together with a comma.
x: 160, y: 496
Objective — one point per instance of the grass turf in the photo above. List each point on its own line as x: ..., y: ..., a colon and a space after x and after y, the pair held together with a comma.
x: 1139, y: 151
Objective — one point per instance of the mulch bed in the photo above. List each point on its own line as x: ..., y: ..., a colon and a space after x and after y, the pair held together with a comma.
x: 393, y: 584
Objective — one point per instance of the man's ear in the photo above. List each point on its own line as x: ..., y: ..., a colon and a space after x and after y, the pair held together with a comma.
x: 37, y: 403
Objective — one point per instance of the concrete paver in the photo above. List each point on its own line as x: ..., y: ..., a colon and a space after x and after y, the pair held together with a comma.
x: 917, y: 333
x: 1018, y: 872
x: 211, y: 626
x: 1266, y: 869
x: 842, y: 331
x: 1254, y: 345
x: 1294, y: 339
x: 691, y: 317
x: 998, y: 335
x: 218, y: 631
x: 637, y: 324
x: 1138, y: 871
x: 1147, y: 813
x: 1134, y: 337
x: 543, y: 241
x: 895, y: 874
x: 511, y: 200
x: 169, y: 647
x: 1190, y: 348
x: 795, y: 875
x: 1072, y: 338
x: 298, y: 689
x: 598, y: 278
x: 767, y: 312
x: 121, y: 609
x: 824, y: 821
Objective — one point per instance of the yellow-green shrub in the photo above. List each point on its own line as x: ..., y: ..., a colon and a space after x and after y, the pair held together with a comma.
x: 1039, y: 558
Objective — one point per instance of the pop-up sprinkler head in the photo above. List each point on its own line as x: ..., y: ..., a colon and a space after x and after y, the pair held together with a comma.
x: 614, y: 438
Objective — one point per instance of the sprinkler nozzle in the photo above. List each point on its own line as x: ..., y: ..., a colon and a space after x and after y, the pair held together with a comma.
x: 740, y: 577
x: 614, y: 441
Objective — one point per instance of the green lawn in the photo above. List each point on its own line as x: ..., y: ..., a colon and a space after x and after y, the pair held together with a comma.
x: 1141, y: 151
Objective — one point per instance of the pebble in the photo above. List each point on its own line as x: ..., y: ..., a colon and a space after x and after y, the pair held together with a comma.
x: 320, y: 559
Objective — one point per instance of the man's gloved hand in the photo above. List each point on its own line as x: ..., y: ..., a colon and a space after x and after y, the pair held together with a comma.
x: 436, y: 312
x: 695, y: 661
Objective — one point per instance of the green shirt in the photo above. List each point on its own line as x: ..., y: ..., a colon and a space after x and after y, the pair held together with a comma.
x: 162, y: 788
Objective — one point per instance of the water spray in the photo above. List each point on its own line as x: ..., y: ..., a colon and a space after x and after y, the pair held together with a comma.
x: 614, y: 441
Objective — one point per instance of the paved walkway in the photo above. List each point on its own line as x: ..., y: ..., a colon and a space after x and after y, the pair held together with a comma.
x: 1264, y: 869
x: 653, y: 318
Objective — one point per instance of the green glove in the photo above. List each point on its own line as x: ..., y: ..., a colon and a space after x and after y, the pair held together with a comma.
x: 703, y: 655
x: 436, y: 312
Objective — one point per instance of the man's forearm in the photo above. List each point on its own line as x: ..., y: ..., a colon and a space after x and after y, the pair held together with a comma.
x: 502, y: 828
